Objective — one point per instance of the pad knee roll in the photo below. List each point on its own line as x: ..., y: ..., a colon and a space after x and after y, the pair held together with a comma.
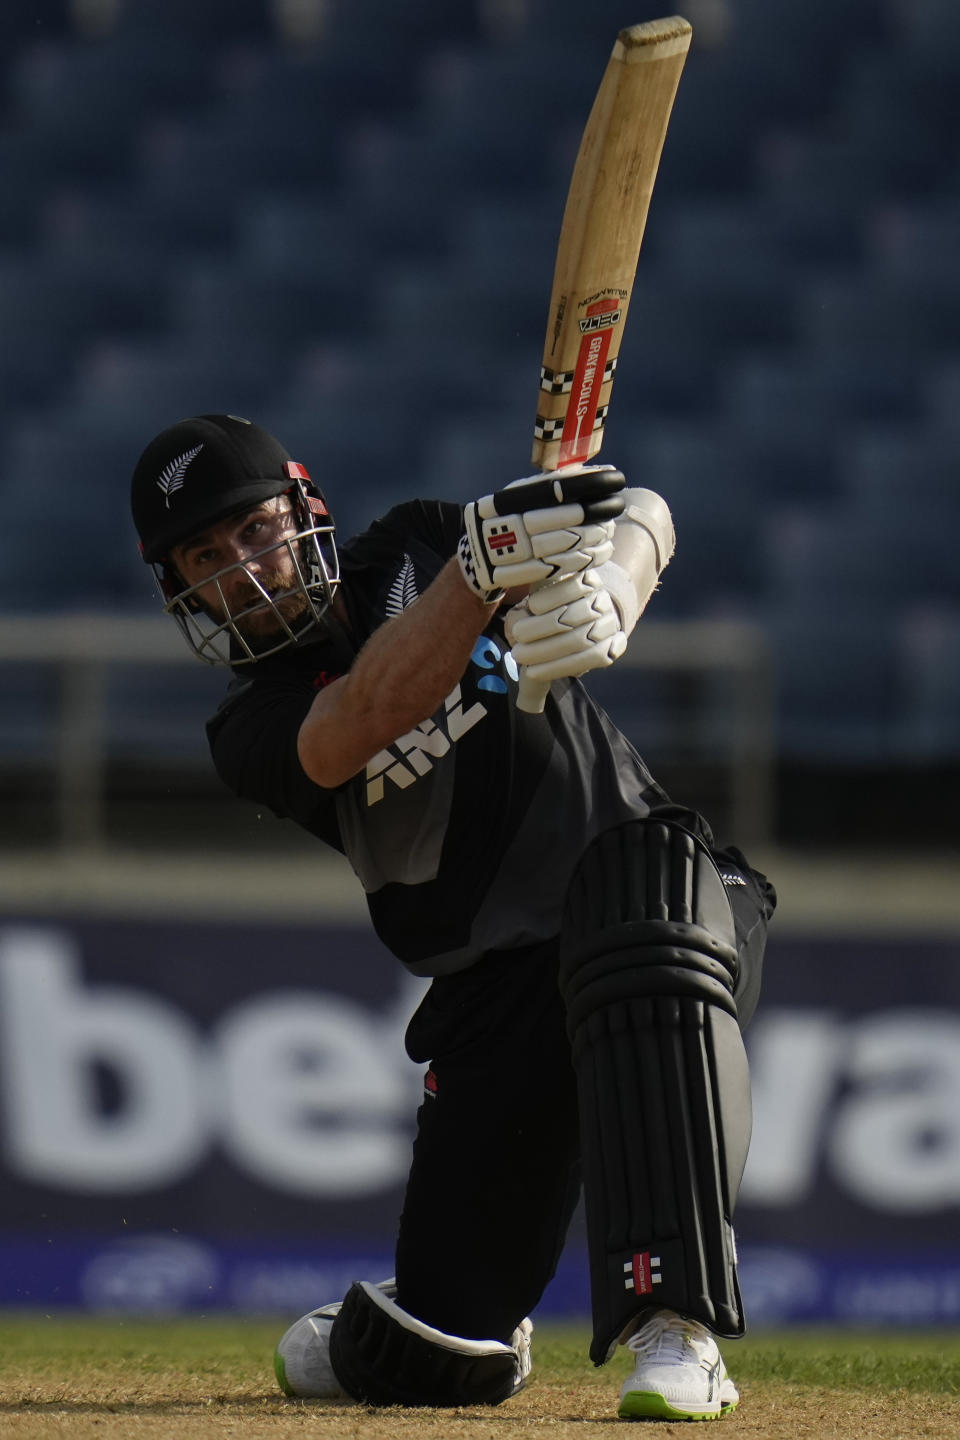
x: 648, y: 966
x: 383, y: 1356
x: 646, y: 913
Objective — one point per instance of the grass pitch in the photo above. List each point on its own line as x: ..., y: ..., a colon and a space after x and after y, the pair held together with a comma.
x: 81, y: 1378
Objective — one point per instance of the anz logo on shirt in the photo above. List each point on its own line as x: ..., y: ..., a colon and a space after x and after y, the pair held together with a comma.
x: 413, y: 754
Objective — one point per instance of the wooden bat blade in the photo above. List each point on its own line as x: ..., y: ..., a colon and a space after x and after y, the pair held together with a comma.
x: 600, y: 237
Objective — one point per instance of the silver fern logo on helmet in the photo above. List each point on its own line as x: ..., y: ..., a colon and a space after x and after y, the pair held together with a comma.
x: 171, y: 476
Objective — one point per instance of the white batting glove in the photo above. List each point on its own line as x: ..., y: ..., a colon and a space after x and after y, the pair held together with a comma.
x: 540, y: 528
x: 565, y: 628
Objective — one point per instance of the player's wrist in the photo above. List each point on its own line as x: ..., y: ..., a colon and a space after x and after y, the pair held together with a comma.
x: 477, y: 574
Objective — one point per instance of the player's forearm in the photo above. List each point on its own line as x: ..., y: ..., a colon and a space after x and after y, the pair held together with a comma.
x: 401, y: 676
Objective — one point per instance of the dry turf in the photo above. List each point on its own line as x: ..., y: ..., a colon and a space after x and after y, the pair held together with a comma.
x: 81, y: 1379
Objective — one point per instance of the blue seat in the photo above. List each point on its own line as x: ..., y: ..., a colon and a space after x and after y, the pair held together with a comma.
x: 77, y: 110
x: 429, y: 22
x: 701, y: 157
x: 901, y: 112
x: 230, y: 153
x: 237, y: 303
x: 324, y: 85
x: 816, y: 211
x: 492, y: 103
x: 108, y: 225
x: 713, y: 308
x: 430, y: 383
x: 715, y: 233
x: 493, y: 235
x: 745, y: 59
x: 857, y: 555
x: 716, y: 496
x: 469, y: 456
x: 184, y: 19
x: 149, y: 383
x: 907, y: 241
x: 763, y: 391
x: 942, y: 397
x: 173, y: 213
x: 28, y: 178
x: 362, y: 458
x: 103, y: 89
x: 36, y: 367
x: 929, y: 30
x: 46, y: 18
x: 421, y: 302
x: 86, y: 552
x: 877, y: 316
x: 896, y: 470
x: 58, y: 296
x: 814, y: 182
x: 300, y: 234
x: 37, y: 159
x: 410, y: 183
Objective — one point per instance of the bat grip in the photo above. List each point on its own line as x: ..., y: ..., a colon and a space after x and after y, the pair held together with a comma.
x: 532, y: 694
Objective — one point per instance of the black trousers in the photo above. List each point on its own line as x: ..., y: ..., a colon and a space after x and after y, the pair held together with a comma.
x: 495, y: 1177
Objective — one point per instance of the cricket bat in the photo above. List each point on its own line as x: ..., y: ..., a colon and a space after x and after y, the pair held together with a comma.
x: 600, y: 236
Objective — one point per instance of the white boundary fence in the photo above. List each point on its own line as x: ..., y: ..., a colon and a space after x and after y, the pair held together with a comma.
x: 83, y: 649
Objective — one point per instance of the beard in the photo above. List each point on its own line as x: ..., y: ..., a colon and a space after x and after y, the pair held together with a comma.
x: 255, y: 618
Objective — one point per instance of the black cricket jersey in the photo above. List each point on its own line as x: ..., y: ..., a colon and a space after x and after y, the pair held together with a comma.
x: 463, y: 832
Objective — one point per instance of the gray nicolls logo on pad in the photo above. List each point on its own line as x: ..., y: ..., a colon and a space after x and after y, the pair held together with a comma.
x: 171, y: 476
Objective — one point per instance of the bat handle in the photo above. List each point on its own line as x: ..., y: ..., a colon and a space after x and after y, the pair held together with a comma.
x: 532, y: 694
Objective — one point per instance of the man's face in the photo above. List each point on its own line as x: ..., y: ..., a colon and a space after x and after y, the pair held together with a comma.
x: 240, y: 542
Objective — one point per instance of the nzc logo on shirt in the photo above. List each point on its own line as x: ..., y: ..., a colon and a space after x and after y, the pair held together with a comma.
x: 413, y: 754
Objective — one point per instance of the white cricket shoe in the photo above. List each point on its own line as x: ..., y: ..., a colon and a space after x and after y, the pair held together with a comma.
x: 521, y: 1340
x: 679, y: 1374
x: 301, y: 1361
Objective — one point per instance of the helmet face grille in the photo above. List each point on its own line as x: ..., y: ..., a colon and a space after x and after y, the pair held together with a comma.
x: 225, y: 631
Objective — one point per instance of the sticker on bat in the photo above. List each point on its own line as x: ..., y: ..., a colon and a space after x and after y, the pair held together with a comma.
x: 599, y: 322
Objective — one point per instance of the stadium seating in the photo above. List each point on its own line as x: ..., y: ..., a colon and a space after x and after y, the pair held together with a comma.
x: 346, y: 230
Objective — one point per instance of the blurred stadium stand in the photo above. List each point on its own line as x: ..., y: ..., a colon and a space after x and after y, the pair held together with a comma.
x: 338, y: 216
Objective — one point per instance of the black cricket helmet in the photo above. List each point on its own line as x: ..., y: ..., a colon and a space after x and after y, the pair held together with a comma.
x: 201, y: 471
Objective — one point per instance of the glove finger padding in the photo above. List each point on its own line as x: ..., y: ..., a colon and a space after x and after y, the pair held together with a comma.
x: 580, y: 632
x: 566, y: 591
x: 539, y: 528
x: 595, y: 655
x: 595, y: 609
x: 530, y: 549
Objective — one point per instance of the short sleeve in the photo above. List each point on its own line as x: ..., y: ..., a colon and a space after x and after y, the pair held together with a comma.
x: 253, y: 741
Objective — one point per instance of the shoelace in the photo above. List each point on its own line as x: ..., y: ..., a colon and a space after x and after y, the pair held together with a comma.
x: 667, y: 1338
